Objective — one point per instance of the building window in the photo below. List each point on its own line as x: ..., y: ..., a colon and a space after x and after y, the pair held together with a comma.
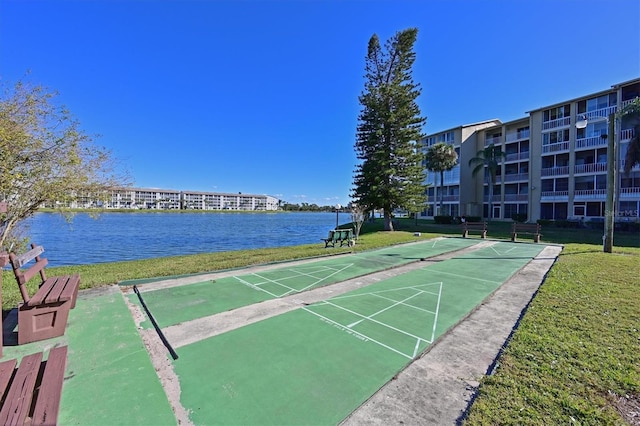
x: 628, y: 209
x: 555, y: 137
x: 595, y: 209
x: 558, y: 112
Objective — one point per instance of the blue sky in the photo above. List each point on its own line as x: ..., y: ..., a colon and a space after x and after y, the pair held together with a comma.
x: 262, y: 96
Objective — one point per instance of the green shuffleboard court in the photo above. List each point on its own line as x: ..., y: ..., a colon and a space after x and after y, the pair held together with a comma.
x: 179, y: 304
x: 317, y: 364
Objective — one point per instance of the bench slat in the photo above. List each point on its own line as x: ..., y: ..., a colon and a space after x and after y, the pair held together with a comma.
x: 6, y: 371
x: 18, y: 402
x: 73, y: 282
x: 48, y: 401
x: 42, y: 293
x: 32, y: 271
x: 63, y: 288
x: 27, y: 257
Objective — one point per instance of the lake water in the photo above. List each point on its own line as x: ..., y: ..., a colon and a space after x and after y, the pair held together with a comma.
x: 114, y: 237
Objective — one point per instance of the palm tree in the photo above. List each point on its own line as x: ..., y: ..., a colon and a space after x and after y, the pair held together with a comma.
x: 490, y: 156
x: 441, y: 157
x: 632, y: 112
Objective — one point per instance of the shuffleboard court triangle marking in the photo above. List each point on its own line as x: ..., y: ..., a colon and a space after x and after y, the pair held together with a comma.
x: 319, y: 280
x: 412, y: 287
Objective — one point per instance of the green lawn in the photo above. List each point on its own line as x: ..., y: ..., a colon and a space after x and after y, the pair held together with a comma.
x: 576, y: 351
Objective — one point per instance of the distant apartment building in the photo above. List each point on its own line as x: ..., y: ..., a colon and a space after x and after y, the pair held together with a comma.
x: 167, y: 199
x: 552, y: 169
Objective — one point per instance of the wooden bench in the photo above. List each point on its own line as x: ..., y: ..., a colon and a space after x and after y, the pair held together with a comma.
x: 480, y: 227
x: 526, y: 228
x: 45, y: 314
x: 31, y: 394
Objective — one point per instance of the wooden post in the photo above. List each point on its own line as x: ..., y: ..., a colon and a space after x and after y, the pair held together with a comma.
x: 610, y: 209
x: 4, y: 259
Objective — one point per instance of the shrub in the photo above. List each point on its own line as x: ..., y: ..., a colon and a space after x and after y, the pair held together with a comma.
x: 519, y: 217
x: 443, y: 220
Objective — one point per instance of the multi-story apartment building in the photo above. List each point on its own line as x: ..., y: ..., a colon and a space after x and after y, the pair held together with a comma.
x: 168, y: 199
x: 551, y: 168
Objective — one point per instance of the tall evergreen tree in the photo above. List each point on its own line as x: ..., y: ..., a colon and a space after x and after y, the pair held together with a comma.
x: 441, y: 158
x: 390, y: 174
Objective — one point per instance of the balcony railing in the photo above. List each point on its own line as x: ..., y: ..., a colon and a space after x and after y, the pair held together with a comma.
x: 450, y: 198
x: 560, y: 122
x: 590, y: 168
x: 633, y: 169
x: 589, y: 194
x: 555, y: 147
x: 515, y: 177
x: 599, y: 113
x: 515, y: 136
x: 554, y: 194
x: 632, y: 192
x: 496, y: 140
x: 555, y: 171
x: 516, y: 197
x: 626, y: 134
x: 591, y: 142
x: 496, y: 198
x: 517, y: 156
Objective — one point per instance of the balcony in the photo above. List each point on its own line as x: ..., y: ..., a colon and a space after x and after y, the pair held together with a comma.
x: 496, y: 140
x: 516, y: 136
x: 599, y: 113
x: 635, y: 168
x: 590, y: 168
x: 555, y: 171
x: 450, y: 198
x: 632, y: 192
x: 560, y: 122
x: 591, y: 142
x: 589, y: 194
x: 555, y: 147
x: 515, y: 177
x: 517, y: 156
x: 554, y: 195
x: 626, y: 134
x: 516, y: 197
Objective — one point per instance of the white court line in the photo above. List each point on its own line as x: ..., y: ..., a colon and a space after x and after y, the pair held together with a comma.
x: 317, y: 271
x: 357, y: 332
x: 412, y: 287
x: 248, y: 284
x: 407, y: 304
x: 269, y: 281
x: 376, y: 321
x: 502, y: 254
x: 393, y: 305
x: 435, y: 320
x: 377, y: 258
x: 319, y: 281
x: 466, y: 277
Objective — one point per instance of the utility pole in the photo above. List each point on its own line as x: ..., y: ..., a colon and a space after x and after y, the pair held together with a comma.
x: 609, y: 214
